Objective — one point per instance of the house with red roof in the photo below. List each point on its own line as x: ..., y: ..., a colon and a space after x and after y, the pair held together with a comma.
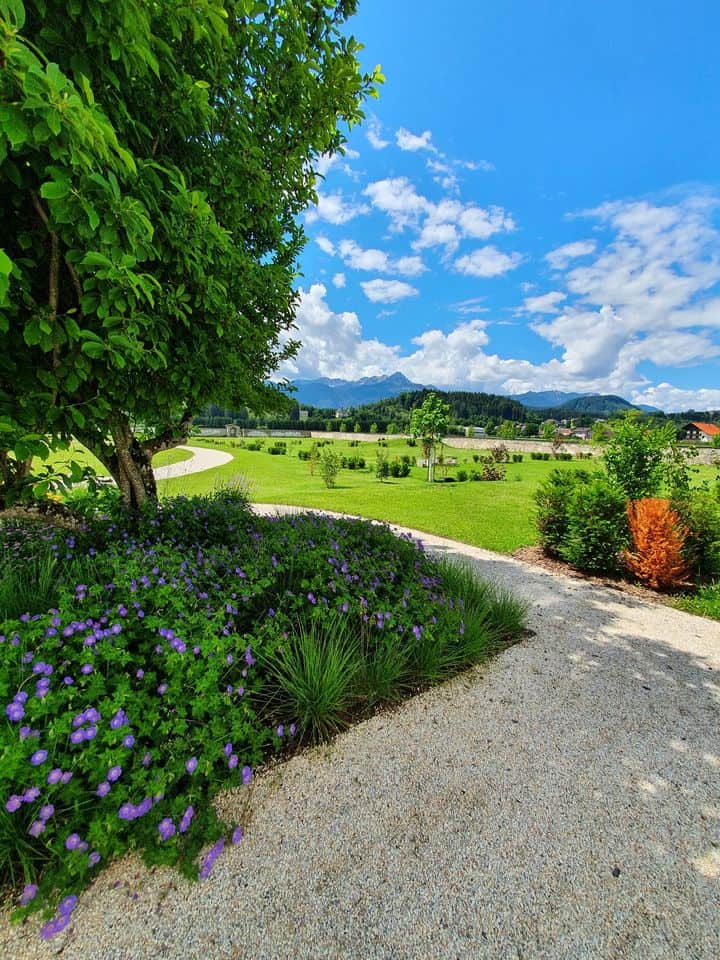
x: 704, y: 432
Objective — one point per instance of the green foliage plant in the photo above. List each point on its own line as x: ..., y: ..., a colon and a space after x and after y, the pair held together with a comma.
x: 429, y: 422
x: 641, y: 458
x: 329, y: 466
x: 552, y: 499
x: 149, y: 257
x: 597, y: 527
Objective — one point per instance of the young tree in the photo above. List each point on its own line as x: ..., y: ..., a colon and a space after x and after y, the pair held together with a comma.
x: 153, y: 161
x: 430, y: 423
x: 639, y: 458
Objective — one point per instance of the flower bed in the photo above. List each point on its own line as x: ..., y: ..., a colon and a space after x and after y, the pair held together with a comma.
x: 166, y: 658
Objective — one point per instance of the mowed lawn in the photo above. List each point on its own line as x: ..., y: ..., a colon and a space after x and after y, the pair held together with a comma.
x: 497, y: 515
x: 61, y: 458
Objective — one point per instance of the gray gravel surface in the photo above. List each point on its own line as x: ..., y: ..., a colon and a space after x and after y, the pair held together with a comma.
x: 561, y: 801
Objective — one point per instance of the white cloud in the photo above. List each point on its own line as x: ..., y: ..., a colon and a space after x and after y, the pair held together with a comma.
x: 561, y: 256
x: 480, y: 224
x: 438, y: 235
x: 373, y: 132
x: 409, y: 266
x: 397, y: 197
x: 339, y: 280
x: 326, y: 245
x: 546, y: 303
x: 675, y: 399
x: 358, y: 259
x: 413, y: 142
x: 472, y: 305
x: 387, y: 291
x: 487, y: 262
x: 334, y: 208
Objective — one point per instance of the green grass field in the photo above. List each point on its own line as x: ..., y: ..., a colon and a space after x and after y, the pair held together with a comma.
x: 496, y: 515
x: 81, y: 455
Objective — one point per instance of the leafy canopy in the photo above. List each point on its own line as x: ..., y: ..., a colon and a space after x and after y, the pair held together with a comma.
x: 154, y: 158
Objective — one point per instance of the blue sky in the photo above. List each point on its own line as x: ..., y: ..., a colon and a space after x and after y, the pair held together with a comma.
x: 532, y: 203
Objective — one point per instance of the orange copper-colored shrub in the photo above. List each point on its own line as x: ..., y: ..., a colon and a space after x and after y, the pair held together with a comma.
x: 658, y: 540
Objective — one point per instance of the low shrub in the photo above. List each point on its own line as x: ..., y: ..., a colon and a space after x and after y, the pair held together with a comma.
x: 277, y: 450
x: 462, y: 476
x: 699, y: 511
x: 517, y: 458
x: 201, y: 640
x: 597, y: 527
x: 552, y: 500
x: 399, y: 468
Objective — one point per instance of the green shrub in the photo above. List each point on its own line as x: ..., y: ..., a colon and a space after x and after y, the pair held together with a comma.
x: 699, y: 510
x: 552, y: 500
x: 462, y: 476
x: 329, y: 466
x: 597, y: 527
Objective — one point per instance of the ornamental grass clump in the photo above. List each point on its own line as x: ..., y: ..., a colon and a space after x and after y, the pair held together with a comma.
x: 200, y: 641
x: 658, y: 541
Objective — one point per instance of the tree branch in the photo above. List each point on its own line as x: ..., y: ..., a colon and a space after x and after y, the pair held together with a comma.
x: 169, y: 438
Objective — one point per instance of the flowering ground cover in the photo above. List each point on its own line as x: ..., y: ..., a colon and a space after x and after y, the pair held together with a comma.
x: 146, y: 665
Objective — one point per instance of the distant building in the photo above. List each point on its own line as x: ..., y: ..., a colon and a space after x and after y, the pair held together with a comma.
x: 303, y: 415
x: 475, y: 431
x: 704, y: 432
x: 582, y: 433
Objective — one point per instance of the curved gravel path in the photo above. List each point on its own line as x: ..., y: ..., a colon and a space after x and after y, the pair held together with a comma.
x: 561, y: 801
x: 202, y: 459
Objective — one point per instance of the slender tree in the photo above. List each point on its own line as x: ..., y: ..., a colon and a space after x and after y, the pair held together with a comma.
x: 154, y: 159
x: 430, y: 423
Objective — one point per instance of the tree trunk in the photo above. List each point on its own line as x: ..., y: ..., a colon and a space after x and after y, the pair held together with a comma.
x: 13, y: 474
x: 131, y: 467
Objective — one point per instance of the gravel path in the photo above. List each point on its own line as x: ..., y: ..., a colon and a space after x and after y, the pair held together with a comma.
x: 561, y: 801
x: 202, y: 459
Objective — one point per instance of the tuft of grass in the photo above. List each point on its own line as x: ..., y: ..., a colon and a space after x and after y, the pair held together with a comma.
x: 705, y: 603
x: 384, y: 675
x: 492, y: 615
x: 312, y: 677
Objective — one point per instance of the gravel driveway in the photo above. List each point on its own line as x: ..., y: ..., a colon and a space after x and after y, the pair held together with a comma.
x: 561, y: 801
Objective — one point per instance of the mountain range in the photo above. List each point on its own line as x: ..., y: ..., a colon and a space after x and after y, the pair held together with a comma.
x: 331, y: 393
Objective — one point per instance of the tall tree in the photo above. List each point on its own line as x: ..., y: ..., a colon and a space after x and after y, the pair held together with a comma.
x: 154, y: 159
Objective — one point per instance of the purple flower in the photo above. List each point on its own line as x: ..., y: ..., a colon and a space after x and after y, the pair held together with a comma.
x: 67, y: 905
x: 312, y: 598
x: 127, y: 812
x: 36, y: 828
x: 191, y: 765
x: 118, y: 720
x: 24, y: 732
x: 114, y: 773
x: 14, y: 803
x: 103, y: 789
x: 246, y: 775
x: 293, y: 728
x: 186, y: 819
x: 94, y: 859
x: 15, y: 711
x: 233, y: 761
x: 73, y: 842
x: 281, y: 730
x: 417, y: 631
x: 40, y: 756
x: 147, y: 758
x: 66, y: 777
x: 237, y: 835
x: 21, y: 696
x: 32, y: 793
x: 47, y: 811
x: 129, y: 741
x: 228, y: 749
x: 140, y: 674
x: 166, y: 828
x: 90, y: 733
x: 162, y: 689
x: 29, y: 893
x: 68, y: 681
x: 77, y: 736
x: 86, y: 668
